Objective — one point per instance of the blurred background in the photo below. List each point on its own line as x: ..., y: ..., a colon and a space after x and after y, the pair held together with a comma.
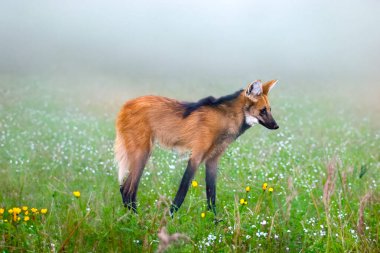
x: 121, y: 49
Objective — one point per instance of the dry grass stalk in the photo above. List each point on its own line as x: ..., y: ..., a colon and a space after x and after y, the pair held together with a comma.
x: 164, y: 202
x: 363, y: 203
x: 237, y: 221
x: 290, y: 197
x: 166, y: 240
x: 62, y: 248
x: 344, y: 181
x: 329, y: 186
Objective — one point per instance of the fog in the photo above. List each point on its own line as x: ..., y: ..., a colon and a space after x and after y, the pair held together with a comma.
x: 296, y: 41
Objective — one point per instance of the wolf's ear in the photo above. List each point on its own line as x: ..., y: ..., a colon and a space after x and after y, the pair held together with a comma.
x: 254, y: 89
x: 268, y: 86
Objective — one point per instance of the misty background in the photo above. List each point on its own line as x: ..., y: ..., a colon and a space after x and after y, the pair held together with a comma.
x: 227, y: 43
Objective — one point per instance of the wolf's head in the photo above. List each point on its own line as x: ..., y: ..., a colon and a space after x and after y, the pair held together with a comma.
x: 257, y: 109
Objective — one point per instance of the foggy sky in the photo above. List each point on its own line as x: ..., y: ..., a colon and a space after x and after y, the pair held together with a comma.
x: 214, y: 39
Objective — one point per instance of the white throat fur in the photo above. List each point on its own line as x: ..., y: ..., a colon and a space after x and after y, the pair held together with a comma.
x: 251, y: 120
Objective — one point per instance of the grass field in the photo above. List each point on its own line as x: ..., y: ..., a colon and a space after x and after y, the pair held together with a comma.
x: 323, y: 166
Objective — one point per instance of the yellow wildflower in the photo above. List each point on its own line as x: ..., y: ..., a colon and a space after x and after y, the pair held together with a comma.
x: 265, y: 185
x: 17, y: 210
x: 203, y: 215
x: 1, y: 211
x: 247, y: 189
x: 246, y: 202
x: 26, y: 212
x: 76, y: 194
x: 194, y: 184
x: 270, y: 189
x: 26, y: 218
x: 18, y: 219
x: 10, y: 211
x: 34, y: 210
x: 242, y: 201
x: 25, y: 208
x: 44, y: 210
x: 5, y: 220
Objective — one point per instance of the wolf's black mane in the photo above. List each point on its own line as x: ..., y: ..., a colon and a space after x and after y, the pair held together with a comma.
x: 208, y: 101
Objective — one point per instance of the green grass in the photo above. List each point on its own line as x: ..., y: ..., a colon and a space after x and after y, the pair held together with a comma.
x: 52, y: 144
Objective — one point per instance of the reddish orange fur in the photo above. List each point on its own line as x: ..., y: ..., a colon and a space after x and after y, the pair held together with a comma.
x: 151, y: 118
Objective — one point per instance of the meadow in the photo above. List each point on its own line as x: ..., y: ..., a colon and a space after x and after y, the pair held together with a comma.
x: 56, y: 154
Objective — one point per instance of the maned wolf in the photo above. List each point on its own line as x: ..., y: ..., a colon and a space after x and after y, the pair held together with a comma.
x: 205, y: 128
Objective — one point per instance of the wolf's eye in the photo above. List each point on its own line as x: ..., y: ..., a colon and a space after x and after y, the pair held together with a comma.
x: 263, y: 111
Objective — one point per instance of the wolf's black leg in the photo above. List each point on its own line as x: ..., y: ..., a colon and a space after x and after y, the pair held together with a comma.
x: 192, y: 166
